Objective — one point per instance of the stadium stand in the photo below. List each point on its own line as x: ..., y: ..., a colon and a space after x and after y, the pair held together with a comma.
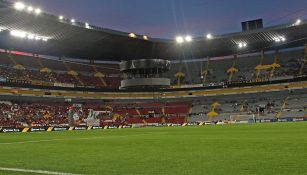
x: 270, y: 106
x: 210, y: 76
x: 32, y: 70
x: 61, y: 74
x: 267, y: 106
x: 33, y: 114
x: 289, y: 62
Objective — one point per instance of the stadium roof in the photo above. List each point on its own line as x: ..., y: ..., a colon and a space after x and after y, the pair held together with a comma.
x: 80, y: 40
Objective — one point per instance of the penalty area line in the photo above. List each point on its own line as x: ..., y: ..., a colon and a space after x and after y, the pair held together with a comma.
x: 35, y: 171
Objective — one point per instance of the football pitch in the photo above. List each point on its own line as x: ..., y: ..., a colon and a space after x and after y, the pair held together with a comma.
x: 268, y: 148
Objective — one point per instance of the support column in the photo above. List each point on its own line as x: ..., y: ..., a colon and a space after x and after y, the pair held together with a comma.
x: 204, y: 73
x: 284, y: 103
x: 179, y: 75
x: 232, y: 70
x: 260, y: 64
x: 275, y: 64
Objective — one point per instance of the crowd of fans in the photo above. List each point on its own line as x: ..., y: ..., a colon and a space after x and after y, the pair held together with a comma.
x: 215, y: 75
x: 33, y: 114
x: 30, y: 76
x: 26, y: 75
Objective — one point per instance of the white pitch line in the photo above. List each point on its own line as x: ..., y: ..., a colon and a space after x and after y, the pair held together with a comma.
x: 33, y: 141
x: 35, y: 171
x: 68, y: 139
x: 50, y: 140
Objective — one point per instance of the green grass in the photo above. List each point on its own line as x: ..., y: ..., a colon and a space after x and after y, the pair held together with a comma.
x: 268, y: 148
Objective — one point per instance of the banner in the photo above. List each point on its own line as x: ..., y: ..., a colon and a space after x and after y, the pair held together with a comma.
x: 298, y: 119
x: 112, y: 127
x: 18, y: 81
x: 37, y: 129
x: 7, y: 130
x: 283, y: 120
x: 175, y: 124
x: 97, y: 127
x: 127, y: 126
x: 266, y: 120
x: 64, y: 85
x: 192, y: 124
x: 80, y: 128
x: 60, y: 128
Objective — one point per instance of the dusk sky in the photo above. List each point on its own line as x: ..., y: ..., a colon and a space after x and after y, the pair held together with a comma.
x: 168, y: 18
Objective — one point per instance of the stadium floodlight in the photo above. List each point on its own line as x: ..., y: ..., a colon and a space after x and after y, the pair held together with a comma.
x: 19, y: 6
x: 38, y: 11
x: 188, y: 38
x: 145, y: 37
x: 279, y: 39
x: 298, y: 22
x: 61, y: 17
x: 38, y: 38
x: 132, y: 35
x: 13, y: 33
x: 179, y: 39
x: 30, y: 9
x: 242, y: 45
x: 72, y: 20
x: 209, y: 36
x: 17, y: 33
x: 31, y: 36
x: 87, y: 25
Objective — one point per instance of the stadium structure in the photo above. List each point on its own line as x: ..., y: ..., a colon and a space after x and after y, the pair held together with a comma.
x: 59, y: 74
x: 74, y: 62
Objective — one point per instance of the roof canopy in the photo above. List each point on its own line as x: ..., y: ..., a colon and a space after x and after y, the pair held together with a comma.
x: 74, y: 40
